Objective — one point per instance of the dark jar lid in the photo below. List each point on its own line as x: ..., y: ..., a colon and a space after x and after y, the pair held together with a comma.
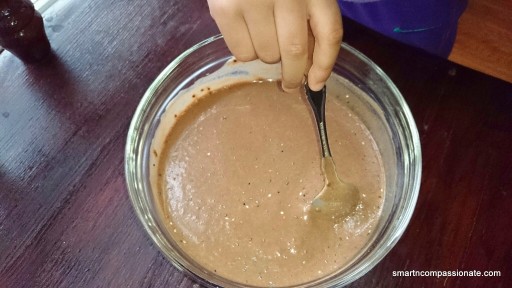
x: 22, y: 30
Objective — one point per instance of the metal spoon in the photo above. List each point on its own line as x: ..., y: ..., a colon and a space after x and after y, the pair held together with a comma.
x: 337, y: 199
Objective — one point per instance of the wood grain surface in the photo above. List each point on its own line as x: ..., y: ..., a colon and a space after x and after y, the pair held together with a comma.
x: 65, y: 216
x: 484, y: 38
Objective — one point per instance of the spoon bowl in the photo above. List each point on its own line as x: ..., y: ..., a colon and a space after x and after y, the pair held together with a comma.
x: 338, y: 199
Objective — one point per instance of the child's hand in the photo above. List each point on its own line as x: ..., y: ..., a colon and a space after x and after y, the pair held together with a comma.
x: 304, y: 34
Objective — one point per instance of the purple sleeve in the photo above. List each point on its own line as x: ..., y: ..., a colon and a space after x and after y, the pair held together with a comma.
x: 427, y: 24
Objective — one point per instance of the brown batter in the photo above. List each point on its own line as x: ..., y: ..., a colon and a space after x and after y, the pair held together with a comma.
x: 239, y: 171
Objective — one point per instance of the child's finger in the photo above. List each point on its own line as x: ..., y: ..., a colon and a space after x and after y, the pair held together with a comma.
x: 325, y: 21
x: 262, y: 29
x: 232, y: 25
x: 292, y: 34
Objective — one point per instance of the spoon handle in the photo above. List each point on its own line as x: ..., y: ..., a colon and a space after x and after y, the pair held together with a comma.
x: 316, y: 100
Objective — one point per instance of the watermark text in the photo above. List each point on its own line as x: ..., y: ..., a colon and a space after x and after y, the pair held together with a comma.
x: 446, y: 273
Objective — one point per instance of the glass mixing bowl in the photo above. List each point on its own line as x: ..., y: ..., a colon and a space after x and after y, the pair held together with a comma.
x: 378, y: 103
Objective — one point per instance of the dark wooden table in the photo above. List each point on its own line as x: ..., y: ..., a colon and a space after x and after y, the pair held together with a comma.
x: 65, y: 216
